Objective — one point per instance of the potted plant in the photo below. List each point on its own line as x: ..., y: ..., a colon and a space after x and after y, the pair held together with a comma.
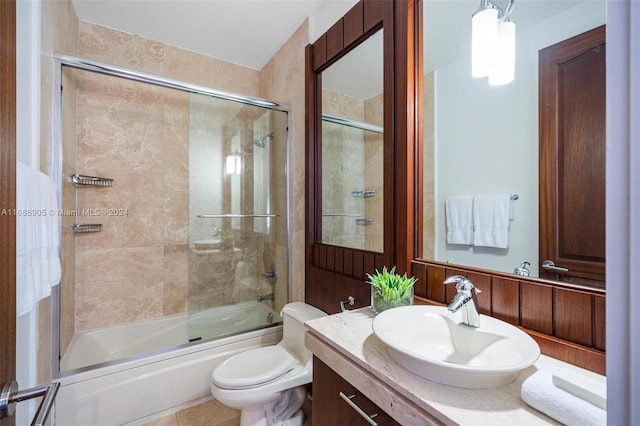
x: 389, y: 289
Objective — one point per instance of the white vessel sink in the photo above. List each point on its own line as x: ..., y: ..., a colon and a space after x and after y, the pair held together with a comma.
x: 432, y: 342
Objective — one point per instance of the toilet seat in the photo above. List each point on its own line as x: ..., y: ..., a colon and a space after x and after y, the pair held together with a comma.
x: 253, y: 368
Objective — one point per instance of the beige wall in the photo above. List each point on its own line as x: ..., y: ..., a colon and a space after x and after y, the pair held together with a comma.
x: 282, y: 79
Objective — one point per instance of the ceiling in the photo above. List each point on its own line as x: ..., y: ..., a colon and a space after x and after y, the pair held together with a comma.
x: 250, y: 32
x: 245, y: 32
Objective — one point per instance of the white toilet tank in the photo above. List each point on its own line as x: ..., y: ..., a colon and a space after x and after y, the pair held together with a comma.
x: 294, y: 315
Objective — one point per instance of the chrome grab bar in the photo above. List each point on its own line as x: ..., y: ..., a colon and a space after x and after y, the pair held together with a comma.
x: 11, y: 396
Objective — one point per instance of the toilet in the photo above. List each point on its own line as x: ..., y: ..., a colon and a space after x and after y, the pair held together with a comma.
x: 269, y: 381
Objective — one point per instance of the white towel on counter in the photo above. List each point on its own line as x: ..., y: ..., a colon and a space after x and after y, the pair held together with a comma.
x: 540, y: 393
x: 491, y: 217
x: 459, y: 219
x: 37, y: 238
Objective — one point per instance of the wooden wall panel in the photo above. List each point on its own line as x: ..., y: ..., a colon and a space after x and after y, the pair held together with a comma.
x: 320, y: 52
x: 322, y: 256
x: 572, y: 316
x: 358, y: 264
x: 374, y: 11
x: 482, y: 283
x: 419, y: 271
x: 435, y: 286
x: 338, y: 264
x: 369, y: 263
x: 323, y: 292
x: 331, y: 258
x: 505, y: 300
x: 599, y: 316
x: 536, y: 307
x: 353, y: 24
x: 335, y: 39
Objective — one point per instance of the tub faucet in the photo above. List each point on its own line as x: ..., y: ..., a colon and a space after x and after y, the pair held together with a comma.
x: 269, y: 296
x: 465, y: 300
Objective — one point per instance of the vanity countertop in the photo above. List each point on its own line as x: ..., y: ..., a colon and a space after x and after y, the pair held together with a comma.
x: 346, y: 343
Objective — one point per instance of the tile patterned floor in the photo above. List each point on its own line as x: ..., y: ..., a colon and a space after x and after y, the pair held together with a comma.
x: 212, y: 413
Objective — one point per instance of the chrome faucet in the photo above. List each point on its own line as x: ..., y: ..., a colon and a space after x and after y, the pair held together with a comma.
x: 465, y: 300
x: 269, y: 296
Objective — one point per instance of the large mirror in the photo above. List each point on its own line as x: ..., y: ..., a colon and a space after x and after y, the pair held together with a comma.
x: 482, y: 139
x: 352, y: 148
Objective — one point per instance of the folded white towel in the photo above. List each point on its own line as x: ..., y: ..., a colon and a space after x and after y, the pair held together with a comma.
x: 37, y: 238
x: 459, y: 218
x: 539, y: 392
x: 491, y: 217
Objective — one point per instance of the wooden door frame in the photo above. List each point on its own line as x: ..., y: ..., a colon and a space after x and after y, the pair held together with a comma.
x: 7, y: 194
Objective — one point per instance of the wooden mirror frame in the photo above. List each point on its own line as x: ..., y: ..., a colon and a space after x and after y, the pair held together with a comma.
x: 334, y: 273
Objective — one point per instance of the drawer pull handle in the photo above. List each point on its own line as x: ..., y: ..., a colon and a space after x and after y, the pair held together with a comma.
x: 367, y: 417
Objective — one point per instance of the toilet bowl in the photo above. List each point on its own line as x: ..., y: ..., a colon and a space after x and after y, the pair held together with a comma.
x: 254, y: 381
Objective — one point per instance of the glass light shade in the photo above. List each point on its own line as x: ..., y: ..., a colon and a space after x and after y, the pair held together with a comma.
x: 504, y: 72
x: 484, y: 37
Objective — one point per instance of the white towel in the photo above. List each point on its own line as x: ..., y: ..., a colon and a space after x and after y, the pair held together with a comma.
x: 37, y: 238
x: 491, y: 216
x: 539, y: 392
x: 459, y: 218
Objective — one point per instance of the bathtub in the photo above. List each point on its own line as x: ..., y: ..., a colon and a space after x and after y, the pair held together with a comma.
x: 115, y: 343
x: 128, y: 391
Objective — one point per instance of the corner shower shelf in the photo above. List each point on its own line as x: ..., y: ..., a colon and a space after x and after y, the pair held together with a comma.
x: 81, y: 180
x: 80, y: 228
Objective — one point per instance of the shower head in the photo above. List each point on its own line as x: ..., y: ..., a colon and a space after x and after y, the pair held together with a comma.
x: 261, y: 142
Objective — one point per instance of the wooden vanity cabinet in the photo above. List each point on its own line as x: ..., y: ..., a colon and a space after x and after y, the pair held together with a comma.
x: 330, y: 408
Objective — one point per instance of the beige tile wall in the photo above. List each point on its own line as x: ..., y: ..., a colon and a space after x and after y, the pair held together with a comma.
x: 352, y: 161
x: 374, y: 174
x: 165, y: 236
x: 282, y: 79
x: 137, y: 135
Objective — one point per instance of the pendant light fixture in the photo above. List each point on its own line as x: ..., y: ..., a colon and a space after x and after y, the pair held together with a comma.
x: 493, y: 43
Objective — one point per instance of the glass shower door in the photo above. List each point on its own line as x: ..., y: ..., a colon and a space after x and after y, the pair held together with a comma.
x: 237, y: 217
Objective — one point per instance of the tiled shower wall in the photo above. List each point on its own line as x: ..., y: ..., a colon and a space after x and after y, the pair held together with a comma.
x: 136, y: 268
x: 165, y: 296
x: 352, y: 165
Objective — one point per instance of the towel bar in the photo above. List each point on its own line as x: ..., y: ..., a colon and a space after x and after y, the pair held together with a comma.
x: 364, y: 193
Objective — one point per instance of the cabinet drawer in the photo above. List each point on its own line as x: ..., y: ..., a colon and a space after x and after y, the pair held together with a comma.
x: 336, y: 402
